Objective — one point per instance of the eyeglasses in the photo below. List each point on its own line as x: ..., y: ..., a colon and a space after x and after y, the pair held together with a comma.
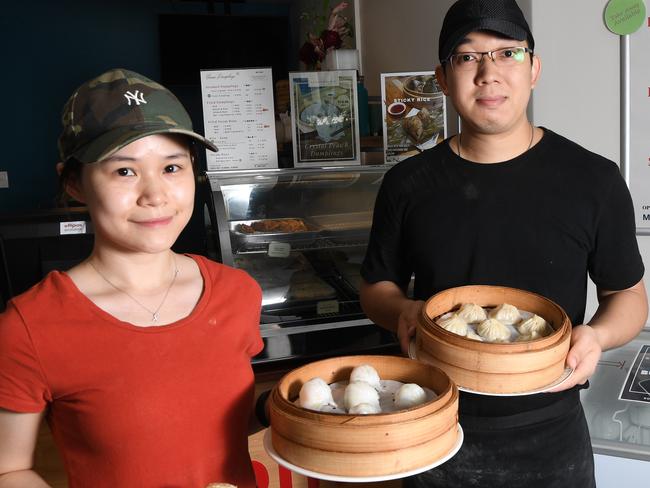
x: 504, y: 58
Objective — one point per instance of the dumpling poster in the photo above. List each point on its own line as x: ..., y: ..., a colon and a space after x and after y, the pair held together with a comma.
x: 324, y: 118
x: 414, y: 114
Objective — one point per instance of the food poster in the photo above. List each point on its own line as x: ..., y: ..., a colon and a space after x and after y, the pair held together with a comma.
x: 639, y: 109
x: 414, y: 114
x: 238, y: 117
x: 324, y: 118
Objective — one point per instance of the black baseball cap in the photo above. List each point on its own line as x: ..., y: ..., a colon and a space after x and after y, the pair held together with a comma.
x: 465, y: 16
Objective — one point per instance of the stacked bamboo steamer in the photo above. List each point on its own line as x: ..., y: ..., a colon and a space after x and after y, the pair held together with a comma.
x: 365, y: 445
x: 497, y: 368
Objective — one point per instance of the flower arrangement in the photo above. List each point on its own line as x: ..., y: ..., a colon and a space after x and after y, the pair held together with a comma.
x: 333, y: 28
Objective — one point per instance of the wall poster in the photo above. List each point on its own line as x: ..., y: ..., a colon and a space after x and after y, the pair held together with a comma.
x: 238, y: 117
x: 414, y: 117
x: 324, y: 118
x: 639, y: 117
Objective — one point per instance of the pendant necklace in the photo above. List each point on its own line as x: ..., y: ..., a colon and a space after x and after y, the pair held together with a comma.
x: 154, y: 313
x: 530, y: 144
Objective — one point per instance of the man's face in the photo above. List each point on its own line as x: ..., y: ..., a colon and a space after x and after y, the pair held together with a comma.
x: 490, y: 99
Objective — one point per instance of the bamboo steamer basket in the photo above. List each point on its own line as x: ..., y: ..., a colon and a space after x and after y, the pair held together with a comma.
x: 500, y: 368
x: 364, y: 445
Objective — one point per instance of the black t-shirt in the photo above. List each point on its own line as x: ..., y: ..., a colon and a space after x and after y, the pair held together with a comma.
x: 539, y: 222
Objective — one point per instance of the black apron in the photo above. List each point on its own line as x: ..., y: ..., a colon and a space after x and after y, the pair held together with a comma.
x: 545, y: 448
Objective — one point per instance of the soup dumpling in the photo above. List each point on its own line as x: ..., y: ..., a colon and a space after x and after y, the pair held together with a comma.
x: 534, y: 324
x: 472, y: 313
x: 493, y: 330
x: 454, y: 324
x: 506, y: 314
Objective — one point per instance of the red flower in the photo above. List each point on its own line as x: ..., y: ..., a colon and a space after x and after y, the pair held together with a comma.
x: 331, y: 39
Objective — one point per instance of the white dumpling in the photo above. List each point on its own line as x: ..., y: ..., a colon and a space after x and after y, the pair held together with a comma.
x: 364, y: 409
x: 367, y: 374
x: 506, y: 314
x: 471, y: 313
x: 315, y: 394
x: 359, y: 392
x: 493, y: 330
x: 473, y: 335
x: 534, y: 324
x: 529, y: 337
x: 454, y: 324
x: 409, y: 395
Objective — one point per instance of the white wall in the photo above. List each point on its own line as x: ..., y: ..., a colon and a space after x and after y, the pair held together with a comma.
x: 577, y: 96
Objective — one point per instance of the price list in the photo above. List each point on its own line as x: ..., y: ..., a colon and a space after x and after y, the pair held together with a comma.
x: 238, y: 117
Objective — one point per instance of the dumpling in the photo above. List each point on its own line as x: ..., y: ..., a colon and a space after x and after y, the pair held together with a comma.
x: 409, y: 395
x: 315, y: 394
x: 360, y: 392
x: 528, y: 337
x: 471, y: 313
x: 454, y: 324
x: 506, y: 314
x: 493, y: 330
x: 367, y: 374
x: 534, y: 324
x: 364, y: 409
x: 473, y: 335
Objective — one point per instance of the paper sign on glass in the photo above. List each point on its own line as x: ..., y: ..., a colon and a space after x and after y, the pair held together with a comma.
x: 414, y: 114
x: 238, y: 117
x: 324, y: 118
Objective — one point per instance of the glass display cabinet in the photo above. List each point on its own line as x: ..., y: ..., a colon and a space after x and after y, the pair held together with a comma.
x: 302, y: 235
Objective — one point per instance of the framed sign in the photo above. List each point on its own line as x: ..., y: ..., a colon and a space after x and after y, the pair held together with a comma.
x: 413, y: 113
x: 324, y: 118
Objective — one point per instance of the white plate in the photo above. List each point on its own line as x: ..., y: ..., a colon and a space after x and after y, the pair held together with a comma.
x: 563, y: 377
x: 268, y: 446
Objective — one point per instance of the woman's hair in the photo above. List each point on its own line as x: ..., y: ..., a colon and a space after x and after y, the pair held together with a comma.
x: 73, y: 168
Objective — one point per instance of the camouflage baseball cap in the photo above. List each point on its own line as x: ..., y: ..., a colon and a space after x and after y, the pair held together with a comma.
x: 118, y: 107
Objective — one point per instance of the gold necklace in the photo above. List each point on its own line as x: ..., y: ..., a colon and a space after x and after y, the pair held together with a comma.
x: 530, y: 144
x: 154, y: 313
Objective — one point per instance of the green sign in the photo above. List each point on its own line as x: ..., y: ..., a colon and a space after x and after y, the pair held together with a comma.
x: 624, y: 17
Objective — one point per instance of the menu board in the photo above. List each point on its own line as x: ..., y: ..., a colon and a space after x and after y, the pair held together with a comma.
x: 639, y: 107
x: 414, y: 117
x: 238, y: 117
x: 637, y: 385
x: 324, y: 118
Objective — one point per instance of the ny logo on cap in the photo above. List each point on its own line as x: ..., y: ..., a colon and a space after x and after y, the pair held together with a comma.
x: 137, y: 97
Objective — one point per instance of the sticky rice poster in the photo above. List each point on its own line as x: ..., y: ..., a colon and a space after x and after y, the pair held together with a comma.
x: 414, y: 114
x: 324, y: 118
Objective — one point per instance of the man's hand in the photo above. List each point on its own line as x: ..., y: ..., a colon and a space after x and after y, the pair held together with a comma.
x: 406, y: 323
x: 583, y: 356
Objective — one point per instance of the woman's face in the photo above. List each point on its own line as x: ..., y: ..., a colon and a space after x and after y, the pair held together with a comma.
x: 141, y: 197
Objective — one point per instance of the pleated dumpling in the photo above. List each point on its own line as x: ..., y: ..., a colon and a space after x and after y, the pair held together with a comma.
x: 493, y: 330
x: 472, y: 313
x: 454, y: 324
x: 506, y: 314
x: 409, y: 395
x: 534, y: 324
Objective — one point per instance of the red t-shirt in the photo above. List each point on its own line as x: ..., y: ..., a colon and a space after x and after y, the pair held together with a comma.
x: 136, y: 406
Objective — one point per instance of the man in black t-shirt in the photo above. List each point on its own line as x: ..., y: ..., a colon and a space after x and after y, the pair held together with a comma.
x: 507, y: 203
